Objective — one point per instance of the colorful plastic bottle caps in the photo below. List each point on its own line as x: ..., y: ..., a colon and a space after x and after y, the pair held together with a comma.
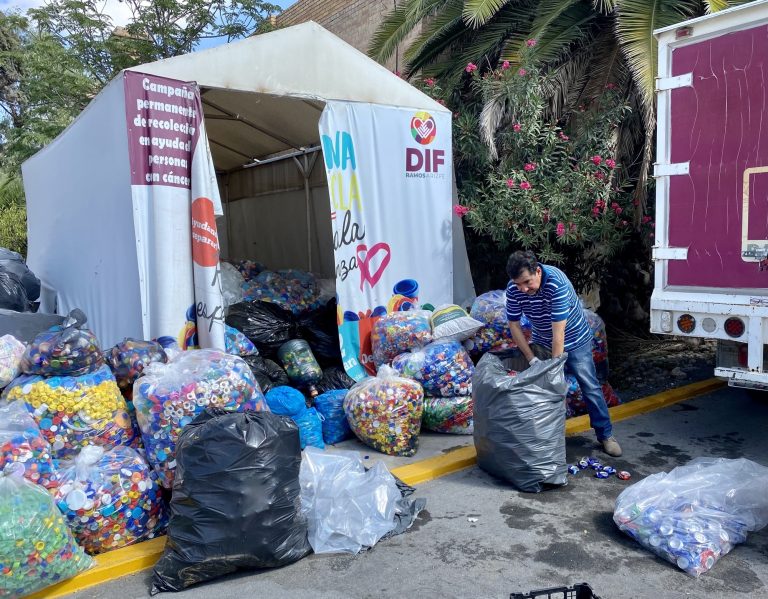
x: 249, y: 269
x: 129, y: 358
x: 63, y: 351
x: 238, y: 344
x: 330, y: 405
x: 385, y: 412
x: 299, y: 362
x: 443, y: 368
x: 110, y: 499
x: 11, y: 352
x: 490, y: 309
x: 293, y: 290
x: 22, y: 443
x: 599, y: 344
x: 399, y: 332
x: 37, y: 548
x: 169, y: 396
x: 574, y: 400
x: 449, y: 414
x: 75, y: 411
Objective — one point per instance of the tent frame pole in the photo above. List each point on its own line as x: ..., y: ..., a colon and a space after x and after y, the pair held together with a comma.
x: 306, y: 170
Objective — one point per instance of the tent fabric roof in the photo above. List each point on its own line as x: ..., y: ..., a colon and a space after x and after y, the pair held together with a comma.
x: 264, y: 95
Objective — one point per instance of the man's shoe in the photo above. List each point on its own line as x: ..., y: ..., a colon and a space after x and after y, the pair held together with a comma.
x: 611, y: 447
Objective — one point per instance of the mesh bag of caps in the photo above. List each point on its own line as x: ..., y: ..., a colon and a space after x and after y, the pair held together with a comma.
x: 495, y: 336
x: 11, y: 352
x: 385, y: 412
x: 110, y: 499
x: 70, y: 392
x: 444, y: 370
x: 169, y: 396
x: 129, y: 358
x: 37, y: 548
x: 399, y: 332
x: 696, y: 513
x: 574, y: 400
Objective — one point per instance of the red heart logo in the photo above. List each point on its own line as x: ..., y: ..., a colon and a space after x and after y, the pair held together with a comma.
x: 364, y: 258
x: 424, y: 128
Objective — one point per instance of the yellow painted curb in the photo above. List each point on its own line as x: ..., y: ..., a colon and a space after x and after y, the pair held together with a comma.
x: 424, y: 470
x: 141, y: 556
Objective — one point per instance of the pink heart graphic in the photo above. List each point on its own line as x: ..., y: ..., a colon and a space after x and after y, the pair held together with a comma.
x: 364, y: 258
x: 424, y: 128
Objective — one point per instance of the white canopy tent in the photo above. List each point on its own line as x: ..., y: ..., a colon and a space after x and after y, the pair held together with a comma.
x: 262, y: 99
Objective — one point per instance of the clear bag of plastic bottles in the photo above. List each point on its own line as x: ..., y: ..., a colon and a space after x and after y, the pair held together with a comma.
x: 695, y: 514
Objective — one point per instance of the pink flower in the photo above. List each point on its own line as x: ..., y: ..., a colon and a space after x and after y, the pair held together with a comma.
x: 429, y: 81
x: 441, y: 101
x: 505, y: 65
x: 560, y: 229
x: 624, y: 223
x: 522, y: 72
x: 530, y: 166
x: 573, y: 227
x: 397, y: 73
x: 616, y: 208
x: 646, y: 219
x: 599, y: 176
x: 595, y: 211
x: 471, y: 67
x: 460, y: 211
x: 610, y: 163
x: 517, y: 127
x: 610, y: 86
x: 563, y: 136
x: 635, y: 202
x: 530, y: 43
x: 597, y: 160
x: 511, y: 183
x: 525, y: 185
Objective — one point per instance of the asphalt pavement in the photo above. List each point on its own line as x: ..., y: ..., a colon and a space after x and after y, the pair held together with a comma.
x: 479, y: 538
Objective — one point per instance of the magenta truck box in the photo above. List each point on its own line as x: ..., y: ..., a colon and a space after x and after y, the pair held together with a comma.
x: 711, y: 251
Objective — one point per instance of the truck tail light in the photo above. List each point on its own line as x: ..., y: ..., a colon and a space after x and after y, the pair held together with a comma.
x: 686, y: 323
x: 666, y: 321
x: 709, y: 324
x: 734, y: 327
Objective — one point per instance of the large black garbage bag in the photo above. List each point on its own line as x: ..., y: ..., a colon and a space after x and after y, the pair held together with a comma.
x: 267, y: 373
x: 265, y: 323
x: 520, y: 422
x: 334, y: 378
x: 320, y: 330
x: 13, y: 296
x: 235, y: 502
x: 13, y: 262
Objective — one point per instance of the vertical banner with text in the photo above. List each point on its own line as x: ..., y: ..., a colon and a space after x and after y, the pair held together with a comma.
x: 176, y: 201
x: 389, y: 176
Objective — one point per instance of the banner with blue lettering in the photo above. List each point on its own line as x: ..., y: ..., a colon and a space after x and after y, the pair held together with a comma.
x: 389, y: 175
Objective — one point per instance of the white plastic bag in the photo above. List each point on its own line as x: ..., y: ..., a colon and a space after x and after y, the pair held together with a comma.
x: 231, y: 284
x: 696, y: 513
x: 11, y: 352
x: 347, y: 507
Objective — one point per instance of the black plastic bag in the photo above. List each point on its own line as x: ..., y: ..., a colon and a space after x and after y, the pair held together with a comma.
x: 334, y: 378
x: 13, y: 262
x: 267, y: 373
x: 13, y: 296
x: 25, y: 326
x: 266, y: 324
x: 520, y: 422
x: 320, y: 330
x: 235, y: 502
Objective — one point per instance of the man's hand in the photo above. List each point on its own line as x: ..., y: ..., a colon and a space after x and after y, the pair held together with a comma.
x: 520, y: 340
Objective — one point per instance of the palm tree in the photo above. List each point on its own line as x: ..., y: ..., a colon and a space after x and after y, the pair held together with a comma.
x: 584, y: 46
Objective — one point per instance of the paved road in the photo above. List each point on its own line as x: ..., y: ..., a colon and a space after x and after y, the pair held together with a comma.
x: 520, y: 541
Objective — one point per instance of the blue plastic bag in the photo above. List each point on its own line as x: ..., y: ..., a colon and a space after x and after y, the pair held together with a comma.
x: 310, y: 428
x: 285, y: 401
x: 330, y: 405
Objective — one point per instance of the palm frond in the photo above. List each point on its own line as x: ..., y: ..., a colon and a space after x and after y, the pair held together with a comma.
x: 605, y: 6
x: 403, y: 19
x: 635, y: 24
x: 478, y: 12
x: 438, y: 34
x: 711, y: 6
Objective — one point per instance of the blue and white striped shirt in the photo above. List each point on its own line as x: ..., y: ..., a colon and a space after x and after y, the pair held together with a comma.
x: 555, y: 301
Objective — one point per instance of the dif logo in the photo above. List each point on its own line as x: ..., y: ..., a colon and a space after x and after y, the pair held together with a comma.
x: 424, y: 131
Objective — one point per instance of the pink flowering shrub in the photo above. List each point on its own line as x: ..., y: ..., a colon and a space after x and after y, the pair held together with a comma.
x: 558, y: 192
